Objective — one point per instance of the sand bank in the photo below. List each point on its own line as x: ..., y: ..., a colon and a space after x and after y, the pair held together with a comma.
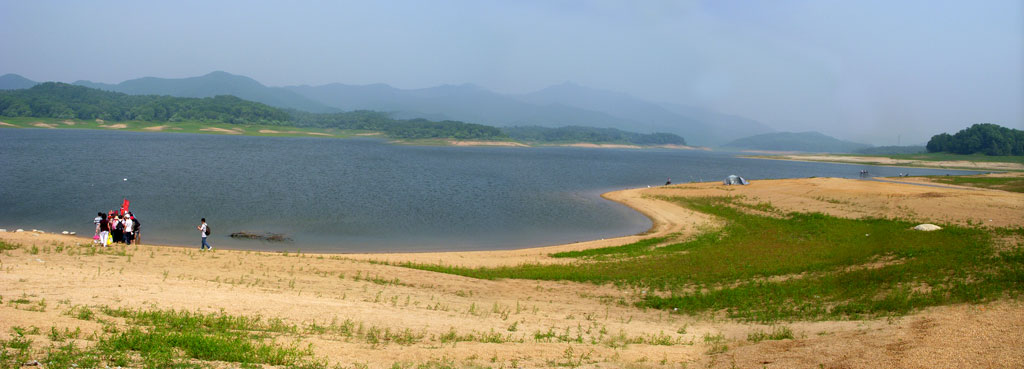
x: 486, y: 143
x: 64, y: 271
x: 874, y: 160
x: 271, y: 131
x: 235, y: 131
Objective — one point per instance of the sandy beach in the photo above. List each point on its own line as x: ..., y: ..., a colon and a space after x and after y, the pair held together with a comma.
x: 51, y: 275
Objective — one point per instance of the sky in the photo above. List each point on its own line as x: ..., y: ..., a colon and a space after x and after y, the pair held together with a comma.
x: 882, y: 72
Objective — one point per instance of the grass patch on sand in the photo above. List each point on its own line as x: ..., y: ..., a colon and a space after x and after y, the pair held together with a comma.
x: 797, y: 266
x: 1013, y: 184
x: 163, y: 339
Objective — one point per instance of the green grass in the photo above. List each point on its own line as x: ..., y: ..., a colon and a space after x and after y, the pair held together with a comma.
x: 727, y: 270
x: 779, y: 333
x: 633, y: 249
x: 165, y: 339
x: 8, y: 246
x: 181, y: 127
x: 1013, y: 184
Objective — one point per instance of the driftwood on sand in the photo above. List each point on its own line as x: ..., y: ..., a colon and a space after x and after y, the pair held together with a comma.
x: 274, y: 237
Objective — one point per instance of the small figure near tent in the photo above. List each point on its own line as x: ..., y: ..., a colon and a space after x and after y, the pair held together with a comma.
x: 735, y: 180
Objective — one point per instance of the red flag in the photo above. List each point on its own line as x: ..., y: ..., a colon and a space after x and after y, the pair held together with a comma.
x: 124, y: 206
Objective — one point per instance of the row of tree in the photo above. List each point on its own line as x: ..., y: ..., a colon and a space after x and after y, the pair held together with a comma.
x: 397, y: 128
x: 987, y: 138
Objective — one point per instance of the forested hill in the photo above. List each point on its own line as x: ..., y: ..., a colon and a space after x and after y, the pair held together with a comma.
x: 61, y: 100
x: 64, y: 101
x: 987, y: 138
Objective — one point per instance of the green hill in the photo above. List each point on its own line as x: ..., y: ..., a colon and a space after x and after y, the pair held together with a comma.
x: 64, y: 101
x: 61, y: 100
x: 796, y: 141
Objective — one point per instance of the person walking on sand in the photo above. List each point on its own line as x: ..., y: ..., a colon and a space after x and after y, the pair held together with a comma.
x: 203, y: 232
x: 96, y: 221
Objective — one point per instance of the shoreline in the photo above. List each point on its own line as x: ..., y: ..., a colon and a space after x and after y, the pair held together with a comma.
x: 890, y: 162
x: 666, y: 220
x: 411, y: 317
x: 252, y: 130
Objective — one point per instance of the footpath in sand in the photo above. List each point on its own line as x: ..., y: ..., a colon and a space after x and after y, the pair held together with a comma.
x: 507, y: 321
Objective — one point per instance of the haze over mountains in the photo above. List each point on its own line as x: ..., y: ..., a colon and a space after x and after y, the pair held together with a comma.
x: 555, y: 106
x: 795, y: 141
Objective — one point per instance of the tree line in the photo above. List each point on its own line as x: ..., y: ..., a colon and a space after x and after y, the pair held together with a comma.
x: 590, y: 134
x: 987, y: 138
x: 65, y: 101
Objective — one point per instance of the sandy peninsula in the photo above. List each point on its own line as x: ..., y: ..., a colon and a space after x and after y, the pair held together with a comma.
x: 53, y: 276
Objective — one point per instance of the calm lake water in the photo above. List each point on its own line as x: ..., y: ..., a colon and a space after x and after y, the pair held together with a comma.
x: 348, y: 195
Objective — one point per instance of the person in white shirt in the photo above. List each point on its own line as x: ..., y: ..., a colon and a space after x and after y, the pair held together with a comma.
x: 202, y: 232
x: 127, y: 230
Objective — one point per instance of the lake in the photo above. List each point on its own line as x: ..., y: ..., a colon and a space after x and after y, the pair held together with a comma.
x: 349, y: 195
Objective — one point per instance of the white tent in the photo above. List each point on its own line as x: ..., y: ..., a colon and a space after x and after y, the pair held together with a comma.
x: 734, y: 180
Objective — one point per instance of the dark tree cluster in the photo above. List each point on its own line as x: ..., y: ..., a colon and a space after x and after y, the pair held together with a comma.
x: 987, y: 138
x: 422, y: 128
x: 590, y: 134
x: 64, y: 101
x: 397, y: 128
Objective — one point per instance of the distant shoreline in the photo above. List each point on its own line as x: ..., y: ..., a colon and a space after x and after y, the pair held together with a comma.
x: 891, y: 162
x: 293, y: 131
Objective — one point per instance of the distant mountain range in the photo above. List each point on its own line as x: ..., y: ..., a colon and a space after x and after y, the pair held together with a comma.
x: 796, y: 141
x: 213, y: 84
x: 561, y: 105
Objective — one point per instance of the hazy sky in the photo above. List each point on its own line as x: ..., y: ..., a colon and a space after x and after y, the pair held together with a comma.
x: 863, y: 70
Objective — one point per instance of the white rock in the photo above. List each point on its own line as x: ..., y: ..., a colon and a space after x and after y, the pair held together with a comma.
x: 19, y: 230
x: 927, y: 227
x: 71, y: 233
x: 3, y: 230
x: 65, y: 232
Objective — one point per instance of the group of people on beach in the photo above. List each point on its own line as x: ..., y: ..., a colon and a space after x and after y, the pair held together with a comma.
x: 116, y: 227
x: 122, y: 226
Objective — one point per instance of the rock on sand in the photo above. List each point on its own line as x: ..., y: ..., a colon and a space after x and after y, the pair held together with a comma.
x: 927, y: 227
